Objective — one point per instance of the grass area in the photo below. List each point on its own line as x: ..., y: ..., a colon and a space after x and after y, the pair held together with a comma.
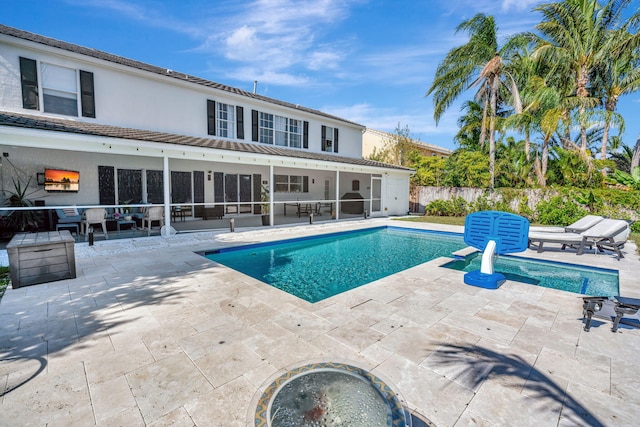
x: 4, y: 280
x: 459, y: 220
x: 449, y: 220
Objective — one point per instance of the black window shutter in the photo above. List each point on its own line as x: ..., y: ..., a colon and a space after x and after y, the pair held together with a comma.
x: 257, y: 192
x: 324, y: 138
x: 254, y: 125
x: 335, y: 140
x: 305, y: 135
x: 87, y: 96
x: 218, y: 187
x: 29, y: 82
x: 239, y: 122
x: 211, y: 117
x: 106, y: 185
x: 305, y: 184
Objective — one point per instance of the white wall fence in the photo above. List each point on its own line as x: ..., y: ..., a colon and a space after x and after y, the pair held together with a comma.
x: 421, y: 196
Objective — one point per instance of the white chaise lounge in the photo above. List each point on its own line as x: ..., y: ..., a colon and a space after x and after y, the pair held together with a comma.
x: 606, y: 234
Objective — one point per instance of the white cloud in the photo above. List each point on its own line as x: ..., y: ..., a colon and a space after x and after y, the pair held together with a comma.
x: 275, y: 35
x: 519, y: 4
x: 323, y: 60
x: 420, y: 122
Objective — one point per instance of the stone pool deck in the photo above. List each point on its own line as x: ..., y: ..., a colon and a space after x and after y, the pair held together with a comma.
x: 150, y: 333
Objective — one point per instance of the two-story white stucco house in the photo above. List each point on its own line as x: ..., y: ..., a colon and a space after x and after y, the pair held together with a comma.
x: 141, y: 134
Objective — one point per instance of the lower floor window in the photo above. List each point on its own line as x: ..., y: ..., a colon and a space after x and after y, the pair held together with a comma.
x: 290, y: 183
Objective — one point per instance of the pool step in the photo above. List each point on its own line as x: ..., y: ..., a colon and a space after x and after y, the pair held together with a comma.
x: 465, y: 253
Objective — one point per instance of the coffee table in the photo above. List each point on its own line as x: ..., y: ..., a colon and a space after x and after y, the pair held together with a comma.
x: 120, y: 222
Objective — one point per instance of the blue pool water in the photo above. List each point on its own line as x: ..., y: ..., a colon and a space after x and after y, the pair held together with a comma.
x: 318, y: 267
x: 555, y: 275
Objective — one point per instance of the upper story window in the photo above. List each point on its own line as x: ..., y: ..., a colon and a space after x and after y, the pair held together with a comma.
x: 59, y: 89
x: 266, y: 128
x: 329, y: 139
x: 225, y: 120
x: 61, y: 93
x: 287, y: 132
x: 272, y: 129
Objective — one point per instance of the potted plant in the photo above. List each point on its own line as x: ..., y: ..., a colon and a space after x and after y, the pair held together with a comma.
x: 126, y: 209
x: 20, y: 220
x: 264, y: 207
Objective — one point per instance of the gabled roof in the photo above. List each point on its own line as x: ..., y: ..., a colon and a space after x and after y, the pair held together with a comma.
x: 98, y: 54
x: 95, y: 129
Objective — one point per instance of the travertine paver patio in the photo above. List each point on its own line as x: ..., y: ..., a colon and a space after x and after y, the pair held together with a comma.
x: 150, y: 333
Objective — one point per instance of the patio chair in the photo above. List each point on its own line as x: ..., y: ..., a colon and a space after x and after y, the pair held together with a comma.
x: 94, y: 216
x: 153, y: 213
x: 68, y: 218
x: 606, y: 234
x: 579, y: 226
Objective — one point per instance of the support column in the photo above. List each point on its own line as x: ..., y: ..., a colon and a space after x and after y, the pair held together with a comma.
x: 271, y: 196
x: 166, y: 179
x: 337, y: 194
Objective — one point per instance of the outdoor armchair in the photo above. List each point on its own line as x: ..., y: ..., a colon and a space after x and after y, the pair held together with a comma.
x: 91, y: 217
x: 153, y: 213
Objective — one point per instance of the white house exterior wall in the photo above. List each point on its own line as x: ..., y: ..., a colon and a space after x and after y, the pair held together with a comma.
x: 130, y: 100
x: 395, y: 199
x: 133, y: 98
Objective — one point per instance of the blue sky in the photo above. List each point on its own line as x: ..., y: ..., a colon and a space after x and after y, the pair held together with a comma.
x: 369, y: 61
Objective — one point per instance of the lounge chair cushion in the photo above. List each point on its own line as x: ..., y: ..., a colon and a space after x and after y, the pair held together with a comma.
x: 579, y: 226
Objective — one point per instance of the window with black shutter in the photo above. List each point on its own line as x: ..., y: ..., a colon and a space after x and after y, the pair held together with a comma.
x: 329, y: 139
x: 29, y: 82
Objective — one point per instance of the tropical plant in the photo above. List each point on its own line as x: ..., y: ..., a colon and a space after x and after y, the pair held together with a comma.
x: 577, y: 36
x: 630, y: 180
x: 467, y: 169
x: 470, y: 124
x: 623, y: 158
x: 476, y: 63
x: 264, y: 198
x: 23, y: 219
x: 618, y: 76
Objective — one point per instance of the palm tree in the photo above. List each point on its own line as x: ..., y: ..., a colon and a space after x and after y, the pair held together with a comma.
x: 623, y: 158
x: 578, y: 33
x: 618, y: 76
x: 477, y: 63
x: 470, y: 124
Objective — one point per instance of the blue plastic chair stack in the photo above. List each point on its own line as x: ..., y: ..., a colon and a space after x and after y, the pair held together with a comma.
x: 494, y: 233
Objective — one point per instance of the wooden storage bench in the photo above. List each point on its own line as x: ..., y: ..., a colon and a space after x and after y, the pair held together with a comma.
x: 41, y: 257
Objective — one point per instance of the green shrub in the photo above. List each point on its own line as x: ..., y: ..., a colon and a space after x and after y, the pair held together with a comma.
x: 557, y: 211
x: 525, y: 210
x: 481, y: 204
x: 454, y: 207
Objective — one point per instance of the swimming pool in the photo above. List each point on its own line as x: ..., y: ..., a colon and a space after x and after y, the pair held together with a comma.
x: 556, y: 275
x: 318, y: 267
